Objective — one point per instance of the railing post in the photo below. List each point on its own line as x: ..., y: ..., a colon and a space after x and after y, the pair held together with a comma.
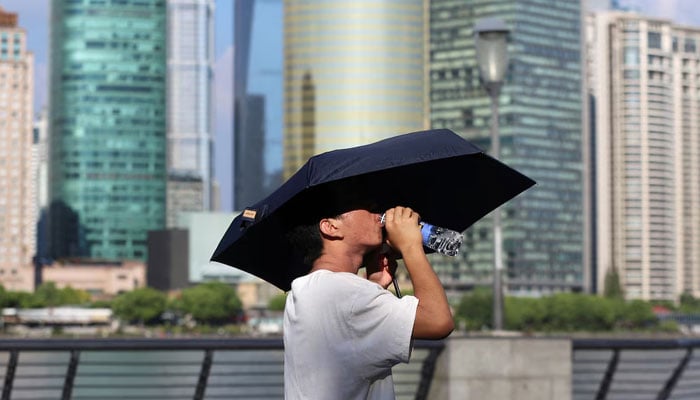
x: 203, y: 375
x: 673, y: 379
x: 70, y: 374
x: 427, y: 372
x: 608, y: 377
x: 10, y: 374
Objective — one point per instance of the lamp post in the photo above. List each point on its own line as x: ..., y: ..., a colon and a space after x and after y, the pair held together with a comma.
x: 491, y: 36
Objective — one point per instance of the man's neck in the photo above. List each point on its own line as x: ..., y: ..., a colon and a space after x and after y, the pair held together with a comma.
x: 337, y: 263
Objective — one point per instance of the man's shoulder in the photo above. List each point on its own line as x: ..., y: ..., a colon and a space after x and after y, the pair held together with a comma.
x: 324, y: 280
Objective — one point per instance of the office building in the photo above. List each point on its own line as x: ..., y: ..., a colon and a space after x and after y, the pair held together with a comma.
x: 107, y: 124
x: 190, y: 101
x: 18, y: 212
x: 541, y: 129
x: 644, y: 85
x: 168, y: 259
x: 355, y: 73
x: 41, y: 178
x: 185, y: 192
x: 258, y: 99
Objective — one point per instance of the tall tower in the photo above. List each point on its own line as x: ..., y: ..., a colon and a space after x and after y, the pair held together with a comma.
x: 18, y: 212
x: 258, y: 93
x: 190, y: 105
x: 107, y: 123
x: 541, y: 125
x: 355, y: 73
x: 644, y: 79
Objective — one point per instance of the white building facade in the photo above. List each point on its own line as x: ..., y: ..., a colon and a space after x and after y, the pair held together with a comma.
x: 18, y: 212
x: 644, y: 81
x: 190, y: 99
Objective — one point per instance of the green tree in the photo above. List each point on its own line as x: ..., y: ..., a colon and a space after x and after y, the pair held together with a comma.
x: 637, y: 314
x: 48, y: 295
x: 143, y: 305
x: 277, y: 303
x: 211, y: 302
x: 4, y: 297
x: 524, y: 313
x: 689, y: 304
x: 17, y: 299
x: 476, y: 309
x: 582, y: 312
x: 613, y: 287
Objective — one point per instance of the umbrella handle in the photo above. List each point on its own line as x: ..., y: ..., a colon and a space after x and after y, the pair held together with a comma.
x: 396, y: 287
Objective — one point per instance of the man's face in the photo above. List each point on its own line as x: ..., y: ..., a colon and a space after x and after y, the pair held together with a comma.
x: 362, y: 227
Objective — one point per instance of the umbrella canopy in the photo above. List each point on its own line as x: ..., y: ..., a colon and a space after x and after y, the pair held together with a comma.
x: 449, y: 181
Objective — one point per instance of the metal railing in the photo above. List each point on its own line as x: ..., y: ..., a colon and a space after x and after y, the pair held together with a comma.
x: 657, y: 369
x: 170, y: 369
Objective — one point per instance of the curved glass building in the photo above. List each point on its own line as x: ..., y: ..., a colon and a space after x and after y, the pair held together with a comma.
x: 355, y: 72
x: 107, y: 127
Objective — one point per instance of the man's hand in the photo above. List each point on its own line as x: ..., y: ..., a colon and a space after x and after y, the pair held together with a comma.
x: 403, y: 231
x: 380, y: 266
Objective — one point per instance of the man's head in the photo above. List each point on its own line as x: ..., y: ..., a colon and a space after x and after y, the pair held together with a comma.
x: 356, y: 230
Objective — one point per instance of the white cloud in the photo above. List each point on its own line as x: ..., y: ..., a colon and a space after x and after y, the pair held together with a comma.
x: 223, y: 137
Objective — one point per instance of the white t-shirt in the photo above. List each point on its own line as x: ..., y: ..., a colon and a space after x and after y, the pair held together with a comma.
x: 342, y: 335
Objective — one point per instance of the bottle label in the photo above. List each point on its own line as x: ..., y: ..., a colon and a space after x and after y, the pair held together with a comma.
x: 425, y: 230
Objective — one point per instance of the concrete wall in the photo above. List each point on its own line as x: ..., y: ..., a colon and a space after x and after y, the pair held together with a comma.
x: 503, y: 368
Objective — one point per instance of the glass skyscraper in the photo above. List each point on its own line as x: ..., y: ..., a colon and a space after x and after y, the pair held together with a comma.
x: 541, y: 126
x: 107, y: 122
x: 190, y: 74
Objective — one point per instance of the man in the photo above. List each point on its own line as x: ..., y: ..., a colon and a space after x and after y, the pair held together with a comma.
x: 343, y: 333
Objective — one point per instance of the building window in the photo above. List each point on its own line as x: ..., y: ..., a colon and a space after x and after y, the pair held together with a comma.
x: 654, y: 40
x: 689, y: 46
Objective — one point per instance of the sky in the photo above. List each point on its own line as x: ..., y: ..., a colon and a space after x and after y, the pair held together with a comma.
x: 34, y: 17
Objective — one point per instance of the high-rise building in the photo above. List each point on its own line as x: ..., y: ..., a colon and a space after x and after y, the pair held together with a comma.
x: 190, y: 102
x: 107, y: 126
x: 18, y: 213
x: 355, y: 73
x: 41, y: 177
x: 541, y: 133
x: 644, y: 85
x: 257, y: 103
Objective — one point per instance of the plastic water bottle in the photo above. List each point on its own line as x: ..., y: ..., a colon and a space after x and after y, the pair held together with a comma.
x: 442, y: 240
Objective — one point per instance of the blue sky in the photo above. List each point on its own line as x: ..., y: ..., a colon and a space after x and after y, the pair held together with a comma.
x: 34, y: 17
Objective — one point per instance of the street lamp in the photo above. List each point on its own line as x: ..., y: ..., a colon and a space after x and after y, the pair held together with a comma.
x: 491, y: 36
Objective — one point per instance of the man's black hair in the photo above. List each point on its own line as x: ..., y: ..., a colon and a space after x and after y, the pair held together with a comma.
x: 306, y: 241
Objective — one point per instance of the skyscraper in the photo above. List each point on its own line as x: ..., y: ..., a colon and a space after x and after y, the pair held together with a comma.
x: 258, y: 92
x: 18, y: 213
x: 541, y: 125
x: 190, y: 105
x: 107, y: 123
x: 355, y: 73
x: 644, y: 81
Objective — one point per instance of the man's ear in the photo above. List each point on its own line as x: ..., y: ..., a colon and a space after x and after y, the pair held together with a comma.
x: 329, y: 227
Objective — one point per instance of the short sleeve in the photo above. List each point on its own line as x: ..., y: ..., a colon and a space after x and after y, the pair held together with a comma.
x: 382, y: 325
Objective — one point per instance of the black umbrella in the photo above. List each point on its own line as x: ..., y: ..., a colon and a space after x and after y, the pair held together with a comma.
x: 447, y: 180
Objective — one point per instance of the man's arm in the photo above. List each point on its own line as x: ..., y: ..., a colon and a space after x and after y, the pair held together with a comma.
x: 433, y: 317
